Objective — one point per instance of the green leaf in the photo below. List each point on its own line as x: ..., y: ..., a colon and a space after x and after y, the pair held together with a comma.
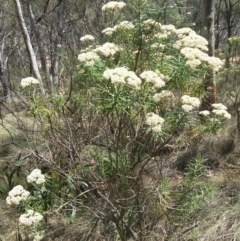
x: 2, y: 190
x: 73, y: 215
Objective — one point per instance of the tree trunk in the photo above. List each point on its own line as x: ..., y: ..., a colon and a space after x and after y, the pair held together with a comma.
x: 28, y: 44
x: 38, y: 36
x: 3, y: 78
x: 208, y: 31
x: 55, y: 65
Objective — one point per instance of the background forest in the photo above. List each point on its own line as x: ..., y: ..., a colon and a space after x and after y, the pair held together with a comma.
x: 119, y: 120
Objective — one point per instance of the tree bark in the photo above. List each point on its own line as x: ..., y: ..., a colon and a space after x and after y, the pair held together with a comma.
x: 208, y: 31
x: 3, y: 78
x: 38, y: 36
x: 55, y: 65
x: 28, y: 44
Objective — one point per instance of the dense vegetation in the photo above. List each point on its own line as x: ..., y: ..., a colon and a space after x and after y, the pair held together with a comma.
x: 116, y: 119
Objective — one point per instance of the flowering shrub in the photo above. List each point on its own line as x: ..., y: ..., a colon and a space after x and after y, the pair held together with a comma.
x: 133, y: 95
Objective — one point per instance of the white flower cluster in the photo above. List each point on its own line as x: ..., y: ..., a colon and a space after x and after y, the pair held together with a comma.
x: 158, y: 46
x: 151, y: 24
x: 122, y: 25
x: 87, y: 38
x: 183, y: 32
x: 112, y: 6
x: 166, y: 31
x: 29, y: 81
x: 88, y: 58
x: 204, y: 113
x: 30, y: 218
x: 155, y: 121
x: 124, y: 76
x: 189, y: 103
x: 192, y: 40
x: 195, y: 57
x: 109, y: 31
x: 220, y: 109
x: 108, y: 49
x: 164, y: 96
x: 36, y: 176
x: 214, y: 63
x: 160, y: 36
x: 16, y: 195
x: 153, y: 78
x: 38, y: 236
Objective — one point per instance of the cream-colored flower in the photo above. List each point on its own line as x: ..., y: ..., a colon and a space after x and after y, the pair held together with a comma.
x: 153, y: 78
x: 124, y: 25
x: 157, y: 128
x: 88, y: 58
x: 108, y: 31
x: 112, y: 6
x: 29, y: 81
x: 204, y: 113
x: 187, y: 108
x: 193, y: 101
x: 16, y: 195
x: 38, y: 236
x: 30, y: 218
x: 219, y: 106
x: 124, y: 76
x: 165, y: 95
x: 87, y: 38
x: 108, y: 49
x: 155, y: 121
x: 36, y: 176
x: 223, y: 113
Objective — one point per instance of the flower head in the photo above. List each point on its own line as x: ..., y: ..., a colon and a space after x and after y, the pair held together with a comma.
x: 204, y: 112
x: 29, y: 81
x: 108, y: 31
x: 219, y: 106
x: 87, y: 38
x: 30, y: 218
x: 155, y: 121
x: 108, y: 49
x: 165, y: 95
x: 112, y: 6
x: 88, y: 58
x: 124, y: 76
x: 16, y: 195
x: 36, y: 176
x: 153, y: 78
x: 189, y: 103
x: 187, y: 108
x: 221, y: 110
